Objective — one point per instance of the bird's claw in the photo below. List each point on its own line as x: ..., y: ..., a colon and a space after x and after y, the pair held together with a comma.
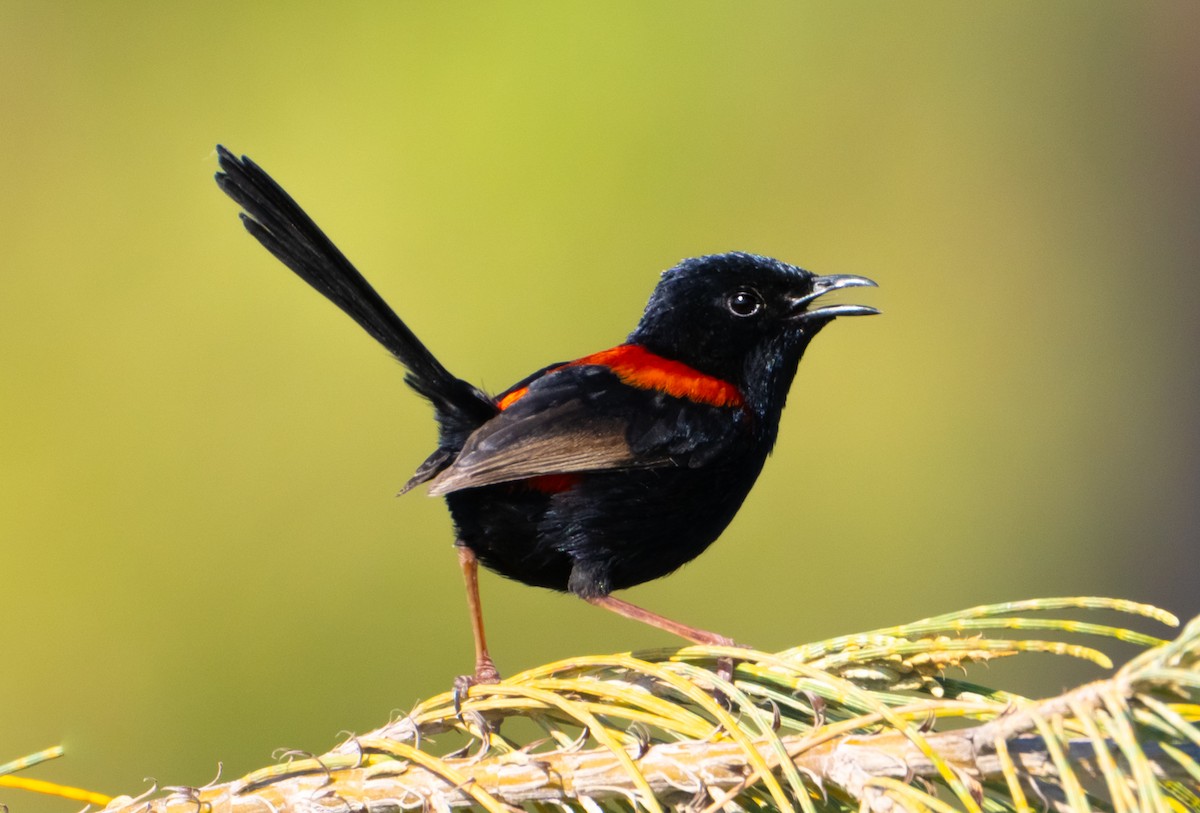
x: 485, y: 673
x: 725, y: 668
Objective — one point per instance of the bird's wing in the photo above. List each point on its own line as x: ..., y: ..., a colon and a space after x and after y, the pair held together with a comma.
x: 581, y: 418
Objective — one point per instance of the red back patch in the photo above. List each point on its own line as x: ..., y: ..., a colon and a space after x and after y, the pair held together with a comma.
x: 638, y: 367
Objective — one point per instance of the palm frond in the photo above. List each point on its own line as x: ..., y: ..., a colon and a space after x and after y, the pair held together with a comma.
x: 864, y: 722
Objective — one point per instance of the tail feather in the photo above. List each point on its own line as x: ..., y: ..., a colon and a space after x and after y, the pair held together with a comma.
x: 285, y: 230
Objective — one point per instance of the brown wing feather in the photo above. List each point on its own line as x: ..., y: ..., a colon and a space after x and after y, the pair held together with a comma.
x: 516, y: 444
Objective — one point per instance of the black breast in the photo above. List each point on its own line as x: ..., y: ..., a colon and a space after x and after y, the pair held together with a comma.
x: 616, y: 529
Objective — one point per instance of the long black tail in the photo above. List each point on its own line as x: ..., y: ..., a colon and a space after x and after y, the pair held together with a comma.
x: 286, y: 231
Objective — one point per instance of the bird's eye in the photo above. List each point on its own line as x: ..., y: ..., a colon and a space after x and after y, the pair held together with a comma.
x: 744, y: 303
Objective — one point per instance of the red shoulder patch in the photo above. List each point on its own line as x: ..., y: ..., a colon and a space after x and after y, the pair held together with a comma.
x: 510, y: 398
x: 638, y: 367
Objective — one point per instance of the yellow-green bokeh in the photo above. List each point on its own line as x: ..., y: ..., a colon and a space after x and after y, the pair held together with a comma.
x: 202, y: 557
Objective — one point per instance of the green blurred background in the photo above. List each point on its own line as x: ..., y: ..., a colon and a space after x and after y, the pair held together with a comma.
x: 202, y: 556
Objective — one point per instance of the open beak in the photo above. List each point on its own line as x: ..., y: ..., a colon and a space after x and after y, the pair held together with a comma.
x: 824, y: 285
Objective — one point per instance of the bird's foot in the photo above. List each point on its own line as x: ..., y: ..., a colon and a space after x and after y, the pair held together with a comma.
x: 485, y: 673
x: 725, y: 668
x: 696, y: 635
x: 725, y: 663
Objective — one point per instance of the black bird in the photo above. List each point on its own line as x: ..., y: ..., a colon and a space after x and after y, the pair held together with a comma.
x: 601, y: 473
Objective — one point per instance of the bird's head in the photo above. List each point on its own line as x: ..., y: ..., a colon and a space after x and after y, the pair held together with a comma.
x: 741, y: 317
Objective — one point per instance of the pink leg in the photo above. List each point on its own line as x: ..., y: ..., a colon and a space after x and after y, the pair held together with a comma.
x: 485, y: 668
x: 696, y: 636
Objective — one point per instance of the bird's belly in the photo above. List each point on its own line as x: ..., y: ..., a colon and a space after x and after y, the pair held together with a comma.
x: 622, y: 527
